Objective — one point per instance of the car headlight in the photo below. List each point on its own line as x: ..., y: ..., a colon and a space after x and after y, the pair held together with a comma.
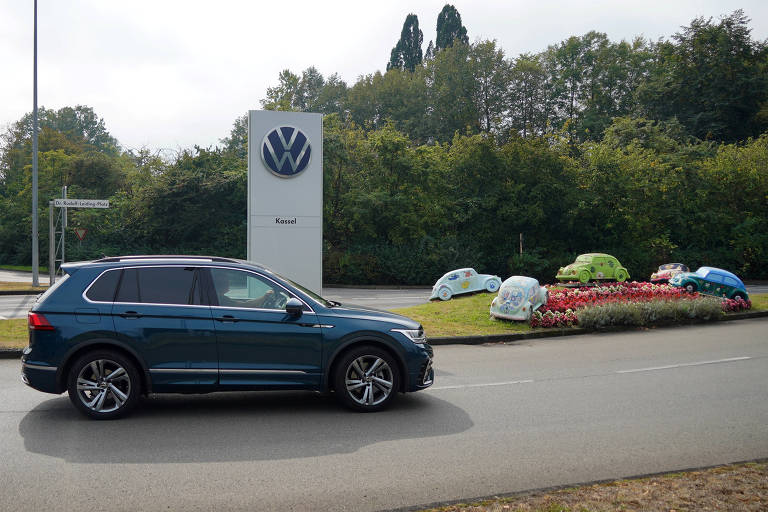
x: 415, y: 335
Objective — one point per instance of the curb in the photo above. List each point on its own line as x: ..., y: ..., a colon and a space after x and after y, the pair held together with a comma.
x: 10, y: 353
x: 21, y: 292
x: 15, y: 353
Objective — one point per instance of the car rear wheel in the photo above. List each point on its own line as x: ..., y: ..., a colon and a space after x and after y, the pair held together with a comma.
x: 492, y: 285
x: 691, y: 287
x: 621, y: 275
x: 739, y: 295
x: 104, y: 385
x: 367, y: 379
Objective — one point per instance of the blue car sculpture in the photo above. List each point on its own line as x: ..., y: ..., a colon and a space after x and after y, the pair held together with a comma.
x: 711, y: 281
x: 518, y: 298
x: 463, y: 280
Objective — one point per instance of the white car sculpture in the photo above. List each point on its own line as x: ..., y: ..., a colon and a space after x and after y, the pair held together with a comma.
x: 518, y: 298
x: 463, y: 280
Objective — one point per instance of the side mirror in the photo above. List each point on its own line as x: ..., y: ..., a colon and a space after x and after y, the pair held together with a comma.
x: 294, y: 307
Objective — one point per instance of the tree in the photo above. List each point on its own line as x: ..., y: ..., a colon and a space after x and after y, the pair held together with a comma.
x: 309, y: 90
x: 491, y: 72
x: 712, y: 77
x: 449, y: 28
x: 406, y: 54
x: 283, y: 96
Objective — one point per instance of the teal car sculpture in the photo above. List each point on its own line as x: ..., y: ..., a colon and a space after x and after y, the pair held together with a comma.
x: 463, y: 280
x: 711, y: 281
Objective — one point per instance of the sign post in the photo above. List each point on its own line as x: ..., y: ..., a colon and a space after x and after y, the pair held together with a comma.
x: 64, y: 203
x: 285, y: 194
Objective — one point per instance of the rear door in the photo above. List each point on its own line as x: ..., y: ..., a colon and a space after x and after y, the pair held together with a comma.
x: 162, y: 313
x: 260, y: 345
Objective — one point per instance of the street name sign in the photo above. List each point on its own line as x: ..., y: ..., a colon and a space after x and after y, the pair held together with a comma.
x: 81, y: 203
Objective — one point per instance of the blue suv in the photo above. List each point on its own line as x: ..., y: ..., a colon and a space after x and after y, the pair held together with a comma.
x: 117, y: 328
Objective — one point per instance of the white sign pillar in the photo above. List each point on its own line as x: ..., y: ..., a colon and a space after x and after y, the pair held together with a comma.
x: 285, y: 194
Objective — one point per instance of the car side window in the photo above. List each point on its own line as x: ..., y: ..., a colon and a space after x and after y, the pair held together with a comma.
x: 105, y: 286
x: 158, y: 285
x: 238, y: 289
x: 715, y: 278
x: 730, y: 281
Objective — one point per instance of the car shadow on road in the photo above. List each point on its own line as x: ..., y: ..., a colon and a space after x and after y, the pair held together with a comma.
x: 224, y: 427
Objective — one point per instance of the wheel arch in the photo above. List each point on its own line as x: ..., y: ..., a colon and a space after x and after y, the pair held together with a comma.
x: 358, y: 341
x: 101, y: 344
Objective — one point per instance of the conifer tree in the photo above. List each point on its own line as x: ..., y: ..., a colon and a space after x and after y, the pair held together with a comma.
x: 449, y: 28
x: 407, y: 52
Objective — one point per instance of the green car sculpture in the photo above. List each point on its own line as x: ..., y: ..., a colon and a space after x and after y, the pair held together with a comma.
x: 593, y: 266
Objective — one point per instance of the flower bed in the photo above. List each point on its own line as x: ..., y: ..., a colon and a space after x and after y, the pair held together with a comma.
x: 594, y: 306
x: 561, y: 300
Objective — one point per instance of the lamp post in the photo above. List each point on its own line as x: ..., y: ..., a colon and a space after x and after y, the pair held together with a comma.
x: 35, y: 255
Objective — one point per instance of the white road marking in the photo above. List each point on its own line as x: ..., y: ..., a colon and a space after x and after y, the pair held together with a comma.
x: 2, y: 317
x: 680, y: 365
x: 488, y: 384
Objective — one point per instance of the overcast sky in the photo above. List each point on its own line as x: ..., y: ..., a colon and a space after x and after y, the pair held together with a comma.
x: 170, y: 74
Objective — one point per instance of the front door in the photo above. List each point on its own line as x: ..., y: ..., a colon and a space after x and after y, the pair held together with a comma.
x: 260, y: 345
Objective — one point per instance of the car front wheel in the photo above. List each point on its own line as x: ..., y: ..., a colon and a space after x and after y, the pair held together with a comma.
x: 104, y: 385
x: 691, y: 287
x: 584, y: 276
x: 367, y: 379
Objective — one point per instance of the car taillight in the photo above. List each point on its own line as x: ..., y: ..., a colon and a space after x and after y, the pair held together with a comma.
x: 38, y: 322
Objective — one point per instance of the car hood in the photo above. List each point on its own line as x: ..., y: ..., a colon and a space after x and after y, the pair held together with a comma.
x: 367, y: 313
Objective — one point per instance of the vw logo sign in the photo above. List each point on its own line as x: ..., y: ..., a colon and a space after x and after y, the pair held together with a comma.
x: 286, y: 151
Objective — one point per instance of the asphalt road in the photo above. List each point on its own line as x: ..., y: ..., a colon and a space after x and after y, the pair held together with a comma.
x: 500, y: 418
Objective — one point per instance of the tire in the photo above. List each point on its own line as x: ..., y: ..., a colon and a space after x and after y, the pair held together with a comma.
x: 621, y: 275
x: 492, y: 285
x: 359, y: 389
x: 691, y: 287
x: 445, y: 293
x: 739, y: 295
x: 104, y: 384
x: 584, y: 276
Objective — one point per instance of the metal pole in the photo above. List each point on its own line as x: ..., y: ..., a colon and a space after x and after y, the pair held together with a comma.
x: 63, y: 223
x: 35, y: 255
x: 51, y: 246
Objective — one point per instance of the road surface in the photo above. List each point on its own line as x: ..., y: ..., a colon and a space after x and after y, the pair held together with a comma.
x: 500, y: 418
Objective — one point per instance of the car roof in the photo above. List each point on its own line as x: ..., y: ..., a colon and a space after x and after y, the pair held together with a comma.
x: 163, y: 259
x: 720, y: 271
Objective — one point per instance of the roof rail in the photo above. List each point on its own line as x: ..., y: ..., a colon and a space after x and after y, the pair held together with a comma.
x: 115, y: 259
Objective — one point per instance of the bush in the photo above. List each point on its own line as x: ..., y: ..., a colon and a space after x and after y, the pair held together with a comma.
x: 650, y: 313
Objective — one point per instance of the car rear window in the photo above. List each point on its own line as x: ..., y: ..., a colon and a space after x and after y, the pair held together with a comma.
x: 157, y: 285
x: 103, y: 289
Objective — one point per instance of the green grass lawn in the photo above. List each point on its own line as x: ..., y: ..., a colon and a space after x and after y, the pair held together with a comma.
x: 461, y: 316
x: 759, y: 301
x: 469, y: 316
x: 8, y: 286
x: 23, y: 268
x: 13, y: 333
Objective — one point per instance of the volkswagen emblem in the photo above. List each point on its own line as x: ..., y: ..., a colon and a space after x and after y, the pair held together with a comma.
x: 286, y: 151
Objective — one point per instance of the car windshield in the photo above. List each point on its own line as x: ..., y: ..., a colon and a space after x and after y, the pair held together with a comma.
x: 584, y: 259
x: 316, y: 297
x: 702, y: 272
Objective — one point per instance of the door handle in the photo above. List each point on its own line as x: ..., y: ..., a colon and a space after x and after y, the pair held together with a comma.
x: 130, y: 314
x: 226, y: 318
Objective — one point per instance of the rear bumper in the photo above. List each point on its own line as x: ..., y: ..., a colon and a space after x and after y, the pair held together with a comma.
x: 38, y: 375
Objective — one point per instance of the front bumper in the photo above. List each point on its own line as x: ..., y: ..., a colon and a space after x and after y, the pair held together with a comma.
x: 424, y: 374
